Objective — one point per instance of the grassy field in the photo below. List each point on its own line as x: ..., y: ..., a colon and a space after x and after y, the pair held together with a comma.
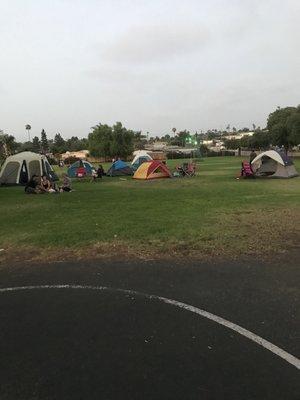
x: 211, y: 215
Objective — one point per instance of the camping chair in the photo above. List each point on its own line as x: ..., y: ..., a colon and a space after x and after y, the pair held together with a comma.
x: 181, y: 171
x: 191, y: 169
x: 246, y: 170
x: 80, y: 172
x: 186, y: 169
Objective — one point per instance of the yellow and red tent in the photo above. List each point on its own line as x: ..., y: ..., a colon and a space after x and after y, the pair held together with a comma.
x: 152, y: 170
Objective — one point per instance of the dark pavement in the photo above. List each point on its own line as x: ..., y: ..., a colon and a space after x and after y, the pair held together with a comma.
x: 87, y: 344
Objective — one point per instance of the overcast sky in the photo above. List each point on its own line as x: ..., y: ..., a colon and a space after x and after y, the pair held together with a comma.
x: 66, y: 65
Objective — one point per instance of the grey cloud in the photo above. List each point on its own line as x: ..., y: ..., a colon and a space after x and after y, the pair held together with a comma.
x: 152, y: 65
x: 146, y: 44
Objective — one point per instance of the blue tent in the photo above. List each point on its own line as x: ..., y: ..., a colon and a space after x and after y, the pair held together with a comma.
x: 78, y: 165
x: 119, y: 168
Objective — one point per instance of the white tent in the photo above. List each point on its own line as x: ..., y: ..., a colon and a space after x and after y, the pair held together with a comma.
x: 140, y: 153
x: 273, y: 164
x: 19, y: 168
x: 140, y: 156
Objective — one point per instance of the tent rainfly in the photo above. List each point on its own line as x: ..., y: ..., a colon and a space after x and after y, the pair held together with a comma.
x: 19, y: 168
x: 80, y: 168
x: 273, y: 164
x: 141, y: 157
x: 119, y: 168
x: 152, y: 170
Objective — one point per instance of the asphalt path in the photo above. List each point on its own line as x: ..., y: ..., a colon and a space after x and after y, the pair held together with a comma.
x: 76, y: 342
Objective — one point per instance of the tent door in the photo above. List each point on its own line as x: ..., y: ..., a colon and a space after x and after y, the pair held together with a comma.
x: 23, y: 179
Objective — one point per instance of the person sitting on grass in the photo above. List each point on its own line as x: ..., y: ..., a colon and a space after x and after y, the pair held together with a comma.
x: 98, y: 174
x: 33, y: 185
x: 45, y: 184
x: 66, y: 184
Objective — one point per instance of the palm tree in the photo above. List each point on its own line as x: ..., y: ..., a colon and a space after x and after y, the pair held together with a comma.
x: 28, y: 127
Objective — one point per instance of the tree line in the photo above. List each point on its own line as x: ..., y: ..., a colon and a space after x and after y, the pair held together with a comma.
x: 283, y: 129
x: 103, y: 141
x: 9, y: 145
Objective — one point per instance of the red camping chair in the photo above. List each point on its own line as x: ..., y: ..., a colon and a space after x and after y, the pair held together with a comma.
x: 246, y: 170
x: 80, y: 172
x: 191, y: 169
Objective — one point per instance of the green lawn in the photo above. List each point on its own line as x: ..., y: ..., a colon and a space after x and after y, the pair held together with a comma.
x: 212, y: 214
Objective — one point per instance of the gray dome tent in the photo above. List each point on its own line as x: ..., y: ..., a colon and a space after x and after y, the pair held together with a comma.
x: 19, y: 168
x: 273, y: 164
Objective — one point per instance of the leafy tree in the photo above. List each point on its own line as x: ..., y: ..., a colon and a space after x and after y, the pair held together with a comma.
x: 106, y: 141
x: 212, y: 134
x: 99, y: 140
x: 83, y: 144
x: 44, y: 142
x: 139, y: 140
x: 76, y: 144
x: 293, y: 128
x: 27, y: 146
x: 36, y: 144
x: 59, y: 144
x: 203, y: 149
x: 283, y: 125
x: 280, y: 135
x: 232, y: 144
x: 166, y: 138
x: 8, y: 145
x: 260, y: 140
x: 122, y: 141
x: 181, y: 138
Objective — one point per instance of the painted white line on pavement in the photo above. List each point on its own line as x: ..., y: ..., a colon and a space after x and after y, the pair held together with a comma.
x: 292, y: 360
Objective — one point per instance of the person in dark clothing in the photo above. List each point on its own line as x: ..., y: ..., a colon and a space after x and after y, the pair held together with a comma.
x: 32, y: 185
x: 100, y: 171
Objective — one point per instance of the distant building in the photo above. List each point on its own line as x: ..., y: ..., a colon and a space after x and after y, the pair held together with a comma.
x: 82, y: 154
x: 214, y: 145
x: 238, y: 136
x: 156, y: 146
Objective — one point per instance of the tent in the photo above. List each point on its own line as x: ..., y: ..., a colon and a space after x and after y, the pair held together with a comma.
x: 19, y: 168
x: 119, y: 168
x: 273, y: 164
x: 140, y: 157
x: 80, y: 169
x: 152, y: 170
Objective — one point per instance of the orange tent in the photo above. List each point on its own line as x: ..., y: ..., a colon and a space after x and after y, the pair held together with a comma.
x: 152, y: 170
